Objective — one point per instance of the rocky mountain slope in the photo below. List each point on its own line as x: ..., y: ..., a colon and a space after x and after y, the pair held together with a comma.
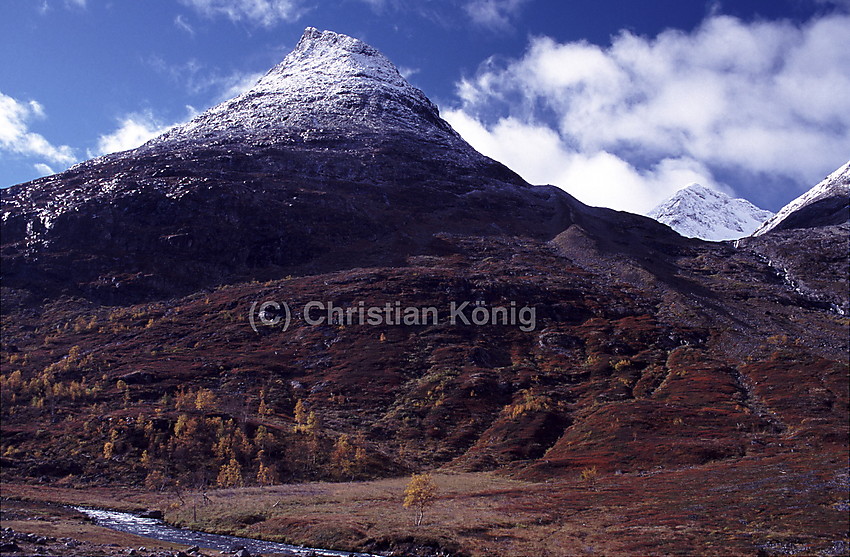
x: 318, y: 167
x: 699, y: 212
x: 132, y: 351
x: 827, y: 203
x: 808, y: 240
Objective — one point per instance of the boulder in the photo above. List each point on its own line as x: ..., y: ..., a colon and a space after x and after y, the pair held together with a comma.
x: 151, y: 514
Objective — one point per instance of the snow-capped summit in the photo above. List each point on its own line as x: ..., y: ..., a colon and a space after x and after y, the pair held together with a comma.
x: 826, y: 203
x: 700, y: 212
x: 324, y: 56
x: 331, y: 85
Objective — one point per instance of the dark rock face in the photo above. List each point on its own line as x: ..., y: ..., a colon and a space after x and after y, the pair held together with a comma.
x: 141, y: 241
x: 151, y: 514
x: 823, y: 212
x: 811, y: 260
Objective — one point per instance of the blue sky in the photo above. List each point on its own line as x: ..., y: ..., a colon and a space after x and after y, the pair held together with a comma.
x: 620, y: 103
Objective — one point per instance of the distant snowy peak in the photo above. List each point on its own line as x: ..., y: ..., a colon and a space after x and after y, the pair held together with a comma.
x: 699, y: 212
x: 826, y: 203
x: 330, y: 85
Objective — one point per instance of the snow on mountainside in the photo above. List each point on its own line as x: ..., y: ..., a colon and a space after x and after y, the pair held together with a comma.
x: 836, y: 185
x: 330, y: 85
x: 699, y: 212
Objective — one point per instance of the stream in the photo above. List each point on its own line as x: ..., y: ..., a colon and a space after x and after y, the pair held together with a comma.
x: 157, y: 529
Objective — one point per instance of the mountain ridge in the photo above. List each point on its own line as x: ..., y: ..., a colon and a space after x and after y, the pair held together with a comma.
x: 831, y: 194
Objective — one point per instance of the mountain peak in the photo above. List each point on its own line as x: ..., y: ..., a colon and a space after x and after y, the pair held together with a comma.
x: 697, y: 211
x: 330, y: 86
x: 696, y: 187
x: 322, y: 56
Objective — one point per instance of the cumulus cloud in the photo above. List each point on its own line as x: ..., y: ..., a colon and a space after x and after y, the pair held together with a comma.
x: 16, y: 137
x: 266, y: 13
x: 542, y: 156
x: 645, y: 116
x: 496, y: 14
x: 133, y: 130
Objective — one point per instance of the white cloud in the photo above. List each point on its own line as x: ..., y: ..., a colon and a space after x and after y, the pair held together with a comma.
x: 15, y: 136
x: 181, y: 23
x: 43, y: 169
x: 762, y: 98
x: 407, y: 72
x: 258, y: 12
x: 496, y: 14
x: 134, y: 130
x: 540, y: 155
x: 232, y: 85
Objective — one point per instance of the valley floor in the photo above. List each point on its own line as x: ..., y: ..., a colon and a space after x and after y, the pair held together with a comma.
x: 786, y: 504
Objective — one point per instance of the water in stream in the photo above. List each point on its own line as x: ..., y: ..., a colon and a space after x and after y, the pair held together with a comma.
x: 157, y: 529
